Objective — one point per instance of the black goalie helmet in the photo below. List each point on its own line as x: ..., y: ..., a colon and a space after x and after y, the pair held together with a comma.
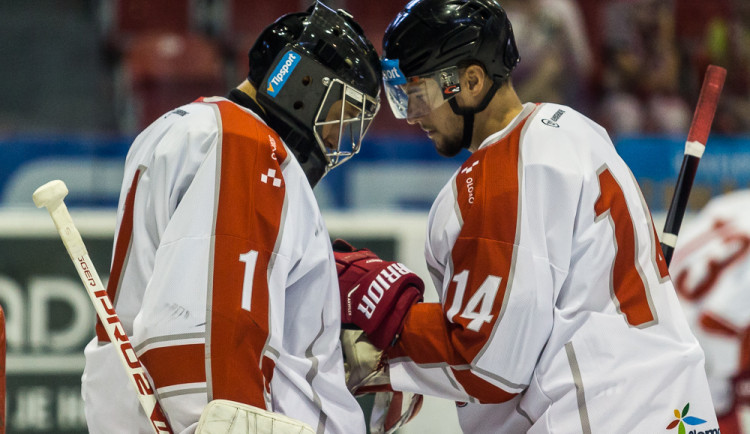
x: 431, y: 39
x: 318, y: 79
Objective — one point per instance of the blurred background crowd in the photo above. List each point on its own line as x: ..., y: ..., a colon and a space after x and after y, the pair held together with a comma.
x: 113, y: 66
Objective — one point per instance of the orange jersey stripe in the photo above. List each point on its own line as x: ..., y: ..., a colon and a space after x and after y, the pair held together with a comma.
x: 248, y: 218
x: 122, y: 247
x: 179, y: 364
x: 481, y: 390
x: 488, y: 199
x: 485, y: 244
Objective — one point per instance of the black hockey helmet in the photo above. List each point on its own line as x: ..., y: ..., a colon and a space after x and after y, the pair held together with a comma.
x: 432, y: 39
x: 429, y: 35
x: 318, y: 79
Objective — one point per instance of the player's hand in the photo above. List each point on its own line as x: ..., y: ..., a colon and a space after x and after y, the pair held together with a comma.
x: 366, y: 372
x: 375, y: 295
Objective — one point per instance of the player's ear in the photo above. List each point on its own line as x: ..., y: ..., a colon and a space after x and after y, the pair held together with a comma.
x: 474, y: 80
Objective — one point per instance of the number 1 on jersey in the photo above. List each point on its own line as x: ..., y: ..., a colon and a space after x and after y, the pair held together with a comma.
x: 249, y: 258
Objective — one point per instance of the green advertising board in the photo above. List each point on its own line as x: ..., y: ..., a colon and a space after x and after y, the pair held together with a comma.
x: 49, y: 317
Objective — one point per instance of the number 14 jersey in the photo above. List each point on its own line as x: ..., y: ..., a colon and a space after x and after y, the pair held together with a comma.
x: 556, y: 309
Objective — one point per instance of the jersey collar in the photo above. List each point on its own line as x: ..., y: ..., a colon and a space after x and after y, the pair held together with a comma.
x: 528, y: 108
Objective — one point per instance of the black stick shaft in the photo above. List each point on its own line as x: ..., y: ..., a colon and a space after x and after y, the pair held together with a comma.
x: 697, y: 137
x: 679, y: 201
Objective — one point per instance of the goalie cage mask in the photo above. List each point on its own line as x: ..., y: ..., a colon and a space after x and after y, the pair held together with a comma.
x: 318, y: 79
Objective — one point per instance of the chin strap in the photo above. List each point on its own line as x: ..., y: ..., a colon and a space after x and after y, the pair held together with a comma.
x: 468, y: 113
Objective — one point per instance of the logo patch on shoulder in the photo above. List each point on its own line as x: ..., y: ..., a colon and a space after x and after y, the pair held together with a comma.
x: 552, y: 122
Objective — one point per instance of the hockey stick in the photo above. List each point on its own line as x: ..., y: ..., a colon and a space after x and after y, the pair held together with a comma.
x: 51, y: 195
x: 700, y: 126
x: 2, y: 371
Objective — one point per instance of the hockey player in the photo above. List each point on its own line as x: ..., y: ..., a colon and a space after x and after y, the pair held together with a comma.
x: 223, y: 273
x: 711, y: 271
x: 556, y: 312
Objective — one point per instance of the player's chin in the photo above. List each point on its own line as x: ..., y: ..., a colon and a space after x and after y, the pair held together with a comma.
x: 447, y: 148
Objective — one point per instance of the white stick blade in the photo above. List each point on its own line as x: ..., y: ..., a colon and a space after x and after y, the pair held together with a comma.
x: 50, y: 193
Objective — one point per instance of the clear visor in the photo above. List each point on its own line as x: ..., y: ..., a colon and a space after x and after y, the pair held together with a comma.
x: 417, y: 96
x: 342, y: 121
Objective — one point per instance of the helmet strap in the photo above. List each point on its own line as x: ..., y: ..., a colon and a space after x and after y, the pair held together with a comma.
x: 468, y: 113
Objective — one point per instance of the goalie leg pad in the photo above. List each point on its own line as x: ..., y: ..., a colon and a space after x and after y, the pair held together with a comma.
x: 229, y: 417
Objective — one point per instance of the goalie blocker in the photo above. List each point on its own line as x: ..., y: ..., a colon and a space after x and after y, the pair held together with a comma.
x: 375, y: 295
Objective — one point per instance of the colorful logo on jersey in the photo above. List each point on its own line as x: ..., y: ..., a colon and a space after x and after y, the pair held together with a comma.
x: 683, y: 419
x: 283, y: 70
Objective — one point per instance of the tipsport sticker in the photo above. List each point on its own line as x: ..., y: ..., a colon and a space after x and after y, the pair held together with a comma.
x: 392, y: 74
x: 281, y: 73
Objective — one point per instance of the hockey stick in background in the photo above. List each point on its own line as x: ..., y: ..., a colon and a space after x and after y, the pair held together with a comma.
x: 700, y: 126
x: 51, y: 195
x: 2, y: 371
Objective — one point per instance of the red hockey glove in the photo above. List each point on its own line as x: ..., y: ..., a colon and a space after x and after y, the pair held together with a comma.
x: 375, y: 295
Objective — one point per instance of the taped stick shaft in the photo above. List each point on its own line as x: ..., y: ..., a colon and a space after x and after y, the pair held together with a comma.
x: 51, y: 196
x: 700, y: 127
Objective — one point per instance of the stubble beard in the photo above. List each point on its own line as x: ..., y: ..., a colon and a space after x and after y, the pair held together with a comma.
x: 448, y: 146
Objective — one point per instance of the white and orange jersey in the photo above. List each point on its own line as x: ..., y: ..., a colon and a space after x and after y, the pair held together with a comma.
x: 711, y: 272
x: 223, y: 276
x: 556, y: 309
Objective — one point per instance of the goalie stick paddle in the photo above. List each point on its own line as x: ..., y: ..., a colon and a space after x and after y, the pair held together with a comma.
x: 51, y: 195
x: 700, y: 126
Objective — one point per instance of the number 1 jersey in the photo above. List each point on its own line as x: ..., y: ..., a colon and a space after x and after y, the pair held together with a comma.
x: 223, y: 276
